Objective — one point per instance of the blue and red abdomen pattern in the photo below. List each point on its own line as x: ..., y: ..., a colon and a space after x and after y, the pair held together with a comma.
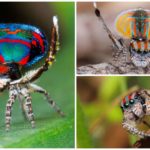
x: 21, y: 44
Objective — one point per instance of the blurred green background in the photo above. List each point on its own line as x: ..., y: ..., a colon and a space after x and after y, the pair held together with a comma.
x: 51, y: 130
x: 99, y: 116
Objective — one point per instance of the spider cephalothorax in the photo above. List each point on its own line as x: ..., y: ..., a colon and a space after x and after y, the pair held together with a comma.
x: 135, y: 107
x: 133, y: 25
x: 21, y: 46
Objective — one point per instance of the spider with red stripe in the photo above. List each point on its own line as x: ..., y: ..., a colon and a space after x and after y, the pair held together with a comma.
x: 22, y: 46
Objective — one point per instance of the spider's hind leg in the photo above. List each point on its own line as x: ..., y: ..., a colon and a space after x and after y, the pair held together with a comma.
x: 35, y: 88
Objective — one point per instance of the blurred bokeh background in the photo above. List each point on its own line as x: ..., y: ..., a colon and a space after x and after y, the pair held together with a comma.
x: 99, y: 116
x: 93, y: 43
x: 51, y: 130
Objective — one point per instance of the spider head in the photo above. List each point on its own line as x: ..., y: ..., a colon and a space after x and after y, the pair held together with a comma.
x: 129, y: 100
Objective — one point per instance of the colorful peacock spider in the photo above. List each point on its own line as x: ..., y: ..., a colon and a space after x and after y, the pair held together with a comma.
x: 21, y: 46
x: 135, y: 107
x: 134, y: 25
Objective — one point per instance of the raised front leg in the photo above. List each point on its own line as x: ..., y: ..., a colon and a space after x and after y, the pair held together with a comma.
x: 12, y: 97
x: 38, y: 89
x: 121, y: 49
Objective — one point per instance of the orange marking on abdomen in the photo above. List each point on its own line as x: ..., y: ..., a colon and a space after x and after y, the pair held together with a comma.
x: 139, y: 45
x: 12, y: 32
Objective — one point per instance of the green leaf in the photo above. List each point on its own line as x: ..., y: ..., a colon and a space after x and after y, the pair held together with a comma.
x: 83, y: 136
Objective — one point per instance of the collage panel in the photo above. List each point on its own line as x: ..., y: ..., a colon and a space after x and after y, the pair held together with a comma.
x: 113, y: 112
x: 113, y: 38
x: 36, y: 70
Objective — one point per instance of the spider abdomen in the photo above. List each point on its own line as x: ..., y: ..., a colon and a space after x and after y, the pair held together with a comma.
x: 21, y: 44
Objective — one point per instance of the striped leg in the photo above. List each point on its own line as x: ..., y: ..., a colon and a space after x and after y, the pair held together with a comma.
x: 12, y: 97
x: 38, y: 89
x: 22, y: 105
x: 133, y: 130
x: 29, y: 110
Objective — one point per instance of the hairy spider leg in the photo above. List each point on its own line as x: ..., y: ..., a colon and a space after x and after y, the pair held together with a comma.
x: 10, y: 102
x: 119, y: 44
x: 35, y: 88
x: 22, y: 105
x: 54, y: 47
x: 28, y: 104
x: 132, y: 129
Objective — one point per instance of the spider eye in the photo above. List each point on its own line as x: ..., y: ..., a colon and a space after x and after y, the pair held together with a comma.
x: 131, y: 101
x: 126, y: 105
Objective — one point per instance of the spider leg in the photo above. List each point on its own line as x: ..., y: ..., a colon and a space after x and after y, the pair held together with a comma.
x: 118, y: 44
x: 29, y: 110
x: 54, y: 47
x: 22, y: 105
x: 131, y: 127
x: 28, y: 104
x: 39, y: 89
x: 4, y: 83
x: 12, y: 97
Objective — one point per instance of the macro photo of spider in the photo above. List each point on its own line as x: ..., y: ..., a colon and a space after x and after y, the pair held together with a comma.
x: 22, y: 46
x: 131, y: 25
x: 135, y: 107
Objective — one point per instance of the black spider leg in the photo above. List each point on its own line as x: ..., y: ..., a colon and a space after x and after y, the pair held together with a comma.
x: 52, y: 103
x: 118, y: 44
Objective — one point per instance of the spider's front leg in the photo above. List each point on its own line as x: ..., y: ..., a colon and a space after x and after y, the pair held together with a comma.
x: 54, y: 47
x: 12, y: 98
x: 131, y: 127
x: 35, y: 88
x: 122, y: 50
